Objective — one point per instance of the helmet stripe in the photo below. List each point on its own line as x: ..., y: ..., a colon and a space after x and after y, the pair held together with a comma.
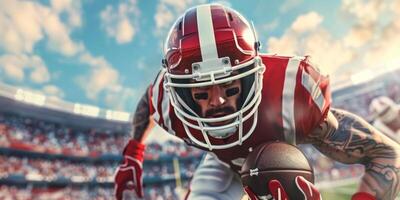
x: 205, y: 28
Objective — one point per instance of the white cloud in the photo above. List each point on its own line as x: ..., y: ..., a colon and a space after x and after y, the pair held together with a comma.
x: 311, y: 40
x: 169, y: 10
x: 39, y: 74
x: 371, y: 42
x: 15, y: 66
x: 359, y: 36
x: 104, y: 79
x: 24, y: 24
x: 287, y: 44
x: 328, y: 53
x: 121, y: 23
x: 27, y: 22
x: 288, y: 5
x: 53, y: 91
x: 367, y: 18
x: 20, y: 25
x: 163, y: 17
x: 126, y: 32
x: 395, y: 7
x: 270, y: 25
x: 102, y: 76
x: 178, y: 5
x: 386, y: 50
x: 122, y: 98
x: 307, y: 22
x: 59, y: 39
x: 71, y: 7
x: 375, y: 32
x: 366, y: 11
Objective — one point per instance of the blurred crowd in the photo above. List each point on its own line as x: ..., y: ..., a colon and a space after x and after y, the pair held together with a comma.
x: 30, y: 134
x: 43, y: 136
x: 50, y: 170
x: 357, y: 98
x: 167, y: 191
x: 65, y: 193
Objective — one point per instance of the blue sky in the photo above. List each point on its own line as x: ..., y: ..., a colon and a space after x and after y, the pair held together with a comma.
x: 105, y: 53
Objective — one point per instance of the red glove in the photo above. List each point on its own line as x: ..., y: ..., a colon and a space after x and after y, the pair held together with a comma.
x: 362, y: 196
x: 309, y: 191
x: 131, y: 170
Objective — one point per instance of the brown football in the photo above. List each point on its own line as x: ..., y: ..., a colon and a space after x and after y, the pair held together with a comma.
x: 276, y: 160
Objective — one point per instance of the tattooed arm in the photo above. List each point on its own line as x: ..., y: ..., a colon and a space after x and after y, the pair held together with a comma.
x: 142, y: 121
x: 347, y: 138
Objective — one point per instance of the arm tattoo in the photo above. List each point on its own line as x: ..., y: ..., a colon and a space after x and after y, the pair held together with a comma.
x: 141, y: 117
x: 356, y: 141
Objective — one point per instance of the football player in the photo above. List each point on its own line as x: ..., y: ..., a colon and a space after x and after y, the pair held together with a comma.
x: 386, y: 115
x: 218, y: 93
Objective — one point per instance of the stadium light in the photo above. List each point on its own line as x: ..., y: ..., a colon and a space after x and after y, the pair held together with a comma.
x: 117, y: 115
x: 88, y: 110
x: 30, y: 97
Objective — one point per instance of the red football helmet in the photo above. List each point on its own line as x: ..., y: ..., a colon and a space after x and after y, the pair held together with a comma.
x: 208, y: 45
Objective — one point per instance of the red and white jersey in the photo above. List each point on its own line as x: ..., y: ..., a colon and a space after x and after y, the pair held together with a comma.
x: 295, y: 100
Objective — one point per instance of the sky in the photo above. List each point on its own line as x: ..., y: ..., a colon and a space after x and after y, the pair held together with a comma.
x: 105, y: 53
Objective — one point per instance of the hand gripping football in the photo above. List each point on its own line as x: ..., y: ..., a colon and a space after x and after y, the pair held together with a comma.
x: 275, y: 161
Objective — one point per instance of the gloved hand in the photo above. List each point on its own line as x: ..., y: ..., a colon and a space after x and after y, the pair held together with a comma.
x: 131, y: 170
x: 309, y: 191
x: 362, y: 196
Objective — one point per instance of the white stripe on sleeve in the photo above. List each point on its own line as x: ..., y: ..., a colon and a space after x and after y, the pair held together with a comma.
x: 313, y: 88
x: 154, y: 95
x: 165, y: 107
x: 289, y: 127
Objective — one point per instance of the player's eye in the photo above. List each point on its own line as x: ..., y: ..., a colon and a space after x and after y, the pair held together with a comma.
x: 201, y: 96
x: 232, y: 91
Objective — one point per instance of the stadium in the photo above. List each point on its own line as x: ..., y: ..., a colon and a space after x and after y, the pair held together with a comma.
x: 73, y: 72
x: 52, y: 149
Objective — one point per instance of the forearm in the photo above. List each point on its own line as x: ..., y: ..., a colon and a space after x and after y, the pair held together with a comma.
x: 142, y: 122
x: 356, y: 141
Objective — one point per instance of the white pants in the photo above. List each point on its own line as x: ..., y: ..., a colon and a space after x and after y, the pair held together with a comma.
x: 214, y: 180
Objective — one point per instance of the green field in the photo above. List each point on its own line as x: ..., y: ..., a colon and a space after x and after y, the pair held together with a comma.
x: 338, y: 193
x: 342, y: 192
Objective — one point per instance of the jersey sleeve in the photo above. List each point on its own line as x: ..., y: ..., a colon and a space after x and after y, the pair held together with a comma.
x: 160, y: 104
x: 313, y: 98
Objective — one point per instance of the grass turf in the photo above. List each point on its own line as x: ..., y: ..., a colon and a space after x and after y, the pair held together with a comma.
x: 338, y: 193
